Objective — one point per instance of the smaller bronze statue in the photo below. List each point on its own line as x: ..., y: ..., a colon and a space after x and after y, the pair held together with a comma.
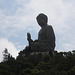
x: 46, y: 36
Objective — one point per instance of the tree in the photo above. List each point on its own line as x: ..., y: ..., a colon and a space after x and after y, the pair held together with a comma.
x: 5, y: 55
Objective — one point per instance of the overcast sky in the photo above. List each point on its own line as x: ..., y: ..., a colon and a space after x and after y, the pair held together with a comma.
x: 17, y: 17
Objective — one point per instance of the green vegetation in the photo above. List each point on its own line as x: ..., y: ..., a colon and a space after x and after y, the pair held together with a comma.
x: 62, y: 63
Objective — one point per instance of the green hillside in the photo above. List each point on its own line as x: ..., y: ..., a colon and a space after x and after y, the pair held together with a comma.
x: 62, y: 63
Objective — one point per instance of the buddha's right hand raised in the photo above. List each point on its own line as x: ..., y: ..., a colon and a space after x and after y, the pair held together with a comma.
x: 28, y: 36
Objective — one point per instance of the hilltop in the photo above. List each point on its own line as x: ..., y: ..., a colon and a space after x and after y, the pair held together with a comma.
x: 62, y: 63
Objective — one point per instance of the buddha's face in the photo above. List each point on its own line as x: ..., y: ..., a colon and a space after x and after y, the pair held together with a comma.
x: 41, y: 21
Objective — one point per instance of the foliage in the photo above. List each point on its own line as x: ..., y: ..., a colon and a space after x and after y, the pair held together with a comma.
x: 62, y: 63
x: 5, y: 55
